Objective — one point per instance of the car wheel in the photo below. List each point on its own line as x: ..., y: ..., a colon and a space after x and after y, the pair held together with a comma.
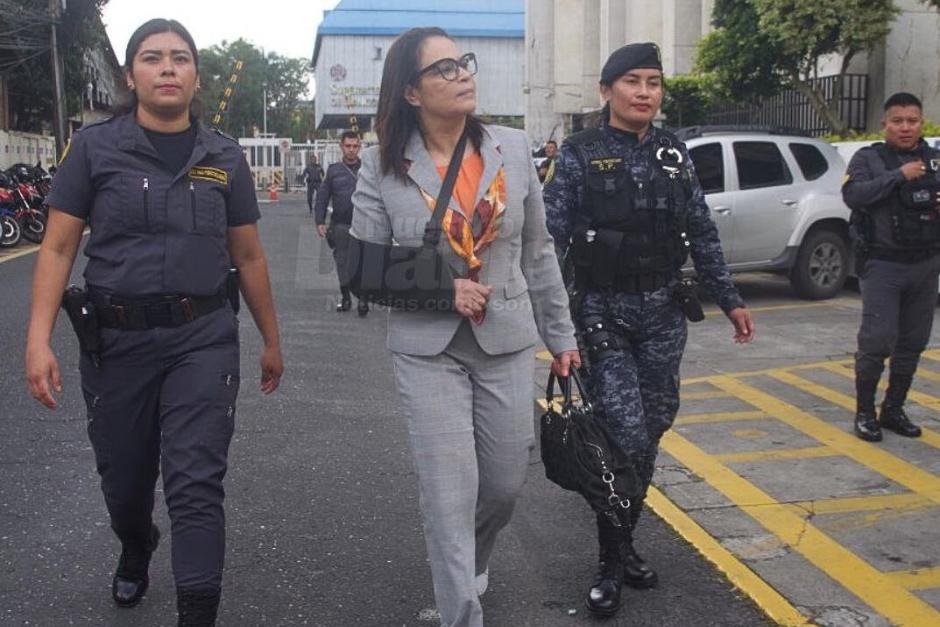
x: 822, y: 265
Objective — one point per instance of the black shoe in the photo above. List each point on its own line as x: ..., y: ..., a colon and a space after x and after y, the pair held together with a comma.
x: 603, y: 598
x: 895, y: 419
x: 197, y: 607
x: 344, y: 305
x: 636, y: 573
x: 867, y: 427
x: 363, y: 309
x: 132, y: 577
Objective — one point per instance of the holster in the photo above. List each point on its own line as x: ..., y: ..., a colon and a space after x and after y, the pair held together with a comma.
x: 687, y: 299
x: 81, y: 313
x: 231, y: 289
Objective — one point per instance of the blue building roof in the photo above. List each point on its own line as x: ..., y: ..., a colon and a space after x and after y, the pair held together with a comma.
x: 460, y: 18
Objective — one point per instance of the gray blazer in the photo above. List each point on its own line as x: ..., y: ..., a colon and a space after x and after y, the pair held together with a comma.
x: 528, y: 298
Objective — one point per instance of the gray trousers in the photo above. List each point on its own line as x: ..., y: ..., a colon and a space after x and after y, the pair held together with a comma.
x: 470, y: 424
x: 898, y: 304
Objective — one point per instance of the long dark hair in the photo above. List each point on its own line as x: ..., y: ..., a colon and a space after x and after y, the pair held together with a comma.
x: 154, y: 27
x: 396, y: 119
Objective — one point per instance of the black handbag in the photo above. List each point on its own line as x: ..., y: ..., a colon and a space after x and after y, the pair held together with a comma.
x: 407, y: 277
x: 579, y: 454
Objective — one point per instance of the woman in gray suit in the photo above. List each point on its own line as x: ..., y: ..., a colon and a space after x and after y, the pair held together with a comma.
x: 465, y: 377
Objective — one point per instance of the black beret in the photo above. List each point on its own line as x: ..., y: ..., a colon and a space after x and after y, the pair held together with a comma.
x: 631, y: 57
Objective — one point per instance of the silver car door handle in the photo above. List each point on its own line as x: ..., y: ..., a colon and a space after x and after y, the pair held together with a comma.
x: 790, y: 203
x: 722, y: 210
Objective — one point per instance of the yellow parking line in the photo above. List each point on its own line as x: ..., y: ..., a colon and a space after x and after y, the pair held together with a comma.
x: 879, y: 460
x: 878, y: 590
x: 906, y: 501
x: 925, y: 373
x: 544, y: 356
x: 769, y: 600
x: 727, y: 416
x: 26, y: 250
x: 701, y: 396
x: 928, y: 437
x: 834, y: 302
x: 784, y: 453
x: 764, y: 371
x: 917, y: 579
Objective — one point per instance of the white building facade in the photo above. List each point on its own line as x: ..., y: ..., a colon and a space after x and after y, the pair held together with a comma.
x: 353, y: 39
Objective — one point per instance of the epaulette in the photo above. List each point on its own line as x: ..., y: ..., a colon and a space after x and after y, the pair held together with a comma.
x: 107, y: 120
x: 221, y: 133
x: 587, y: 136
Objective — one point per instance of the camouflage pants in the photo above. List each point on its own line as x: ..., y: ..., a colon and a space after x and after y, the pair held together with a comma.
x: 635, y: 391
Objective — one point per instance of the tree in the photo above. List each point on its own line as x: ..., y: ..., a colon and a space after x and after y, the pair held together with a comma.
x: 688, y: 100
x: 26, y: 61
x: 742, y: 59
x: 285, y: 80
x: 783, y: 47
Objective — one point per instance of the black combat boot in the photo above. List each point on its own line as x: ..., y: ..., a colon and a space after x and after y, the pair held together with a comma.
x: 363, y: 308
x: 197, y: 607
x: 604, y: 597
x: 636, y: 573
x: 892, y: 414
x: 345, y: 303
x: 132, y: 575
x: 866, y: 425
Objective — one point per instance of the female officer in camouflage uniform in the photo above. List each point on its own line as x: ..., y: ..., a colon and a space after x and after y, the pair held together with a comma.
x: 627, y: 199
x: 172, y: 207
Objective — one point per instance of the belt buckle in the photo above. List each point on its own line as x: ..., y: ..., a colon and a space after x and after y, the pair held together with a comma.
x: 187, y: 306
x: 119, y: 315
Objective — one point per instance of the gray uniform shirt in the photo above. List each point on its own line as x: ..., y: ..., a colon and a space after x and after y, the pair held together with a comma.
x: 869, y: 185
x: 338, y: 187
x: 153, y: 232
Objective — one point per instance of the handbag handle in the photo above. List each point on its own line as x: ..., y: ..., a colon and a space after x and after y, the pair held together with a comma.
x: 565, y: 384
x: 432, y: 230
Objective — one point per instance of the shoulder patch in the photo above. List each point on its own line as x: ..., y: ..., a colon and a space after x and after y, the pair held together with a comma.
x: 209, y: 174
x: 935, y: 164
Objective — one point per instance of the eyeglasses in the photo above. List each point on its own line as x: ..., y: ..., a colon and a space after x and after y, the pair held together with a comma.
x: 449, y: 69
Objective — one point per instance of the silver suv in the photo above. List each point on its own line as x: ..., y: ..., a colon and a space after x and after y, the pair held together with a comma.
x: 776, y: 200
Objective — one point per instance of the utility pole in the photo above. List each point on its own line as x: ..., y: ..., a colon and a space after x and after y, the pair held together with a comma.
x: 58, y: 98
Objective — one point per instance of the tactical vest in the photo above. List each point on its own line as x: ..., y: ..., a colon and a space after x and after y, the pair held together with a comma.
x: 630, y: 234
x: 915, y: 217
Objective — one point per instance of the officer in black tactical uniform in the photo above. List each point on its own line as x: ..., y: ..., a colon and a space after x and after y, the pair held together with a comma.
x: 893, y: 189
x: 172, y: 207
x: 626, y: 198
x: 338, y: 188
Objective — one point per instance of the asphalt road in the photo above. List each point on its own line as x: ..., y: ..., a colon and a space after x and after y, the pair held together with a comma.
x: 323, y: 519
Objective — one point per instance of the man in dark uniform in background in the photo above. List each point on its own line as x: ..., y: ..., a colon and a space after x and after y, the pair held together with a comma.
x: 313, y: 176
x: 338, y: 187
x: 893, y: 189
x: 627, y: 199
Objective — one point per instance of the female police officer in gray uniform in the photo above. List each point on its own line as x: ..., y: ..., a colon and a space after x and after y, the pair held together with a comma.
x: 627, y: 199
x: 171, y: 207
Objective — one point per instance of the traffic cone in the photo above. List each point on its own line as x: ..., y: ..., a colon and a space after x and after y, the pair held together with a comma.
x: 272, y: 193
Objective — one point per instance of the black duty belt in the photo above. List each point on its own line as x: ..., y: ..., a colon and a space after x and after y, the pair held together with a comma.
x: 901, y: 255
x: 637, y: 284
x: 160, y: 311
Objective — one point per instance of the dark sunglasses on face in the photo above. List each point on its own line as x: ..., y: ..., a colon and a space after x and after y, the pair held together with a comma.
x: 449, y: 69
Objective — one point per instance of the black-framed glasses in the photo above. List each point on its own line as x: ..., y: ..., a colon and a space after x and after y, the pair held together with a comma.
x: 449, y: 69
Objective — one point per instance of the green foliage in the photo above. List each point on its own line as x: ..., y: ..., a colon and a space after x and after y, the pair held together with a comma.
x: 742, y: 59
x: 688, y: 100
x: 931, y: 129
x: 27, y: 62
x: 762, y: 46
x: 285, y: 79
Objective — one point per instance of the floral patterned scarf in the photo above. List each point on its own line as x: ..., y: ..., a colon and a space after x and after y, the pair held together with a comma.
x: 486, y: 220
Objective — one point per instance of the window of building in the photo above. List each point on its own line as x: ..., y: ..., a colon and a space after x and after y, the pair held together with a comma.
x: 709, y: 166
x: 760, y: 164
x: 812, y: 162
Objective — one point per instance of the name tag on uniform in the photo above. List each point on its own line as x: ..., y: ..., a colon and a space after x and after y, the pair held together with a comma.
x: 606, y: 165
x: 209, y: 174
